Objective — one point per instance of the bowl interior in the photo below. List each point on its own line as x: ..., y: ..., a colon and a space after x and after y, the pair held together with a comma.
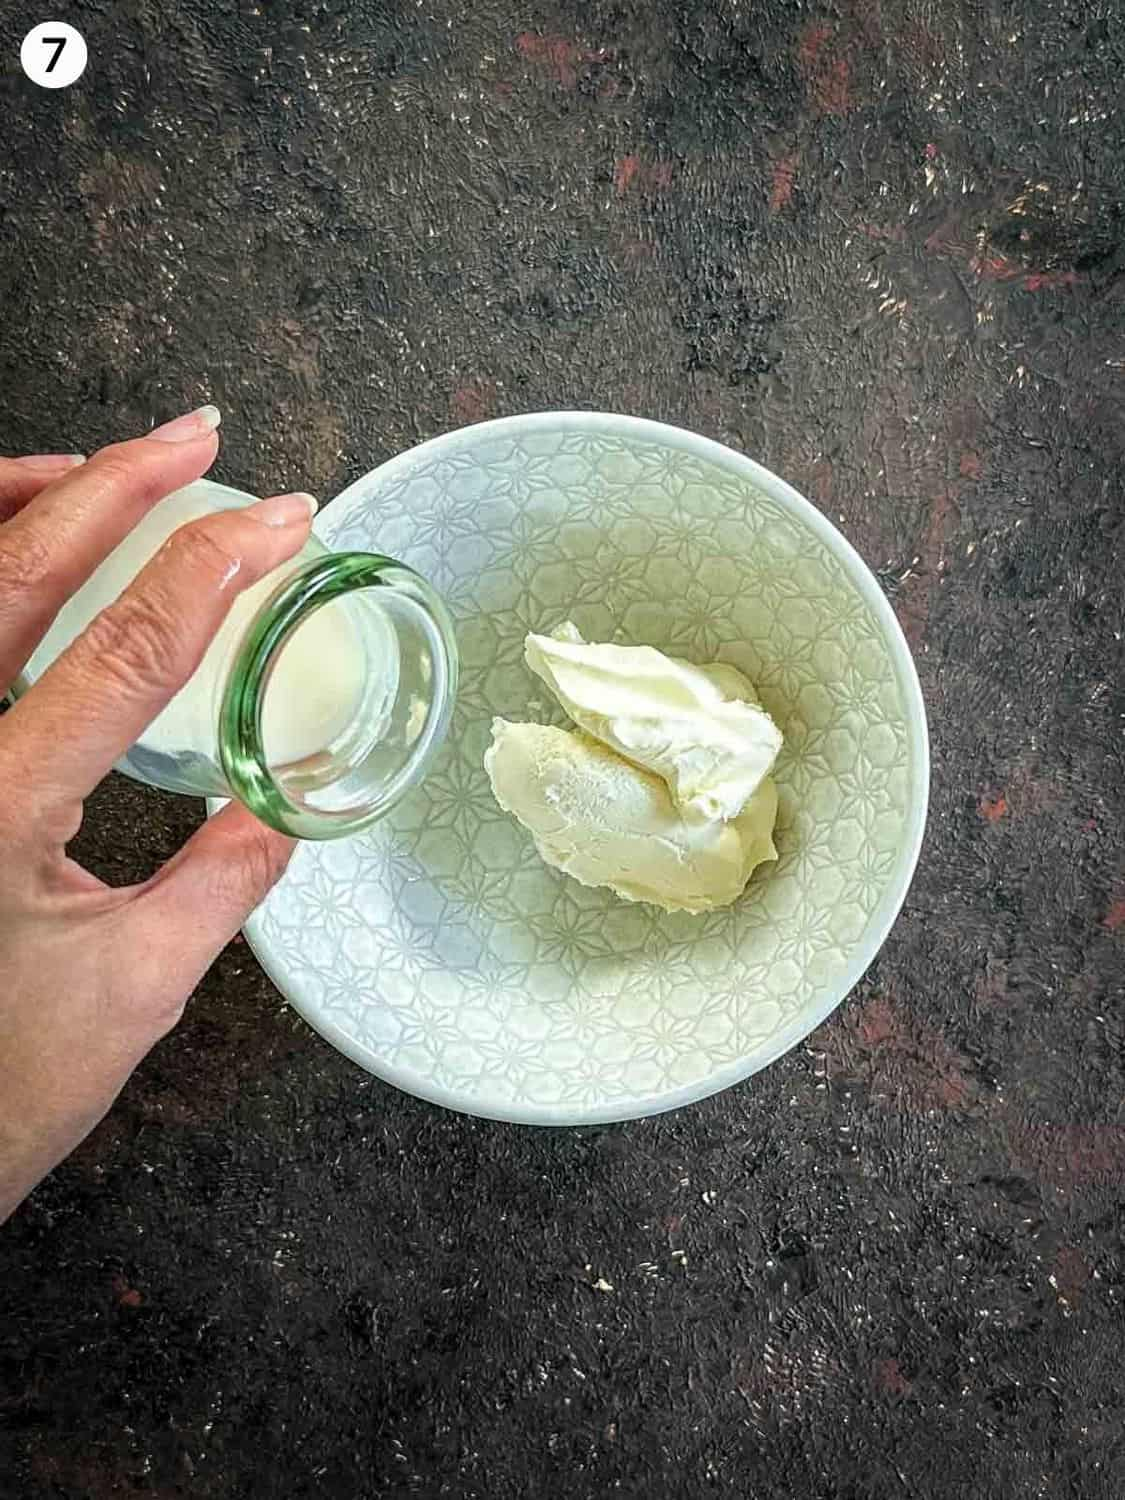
x: 439, y: 951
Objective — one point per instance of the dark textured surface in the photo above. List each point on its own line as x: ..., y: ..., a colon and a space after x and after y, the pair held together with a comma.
x: 878, y: 245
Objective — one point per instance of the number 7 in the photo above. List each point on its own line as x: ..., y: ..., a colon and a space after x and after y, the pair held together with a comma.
x: 58, y: 42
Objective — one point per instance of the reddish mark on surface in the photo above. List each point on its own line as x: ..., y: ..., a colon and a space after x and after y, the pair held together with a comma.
x: 876, y: 1023
x: 561, y: 54
x: 1038, y: 281
x: 944, y: 518
x: 999, y: 268
x: 913, y: 610
x: 833, y: 92
x: 994, y: 267
x: 819, y: 481
x: 970, y: 466
x: 626, y: 169
x: 810, y: 45
x: 473, y: 401
x: 1070, y: 1156
x: 651, y: 177
x: 903, y: 1062
x: 894, y: 232
x: 1115, y: 916
x: 920, y: 47
x: 943, y: 241
x: 1071, y: 1274
x: 827, y: 74
x: 127, y: 1296
x: 992, y: 809
x: 782, y: 182
x: 888, y: 1379
x: 1090, y: 825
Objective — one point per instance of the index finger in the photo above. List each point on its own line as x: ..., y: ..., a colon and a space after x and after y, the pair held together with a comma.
x: 98, y: 697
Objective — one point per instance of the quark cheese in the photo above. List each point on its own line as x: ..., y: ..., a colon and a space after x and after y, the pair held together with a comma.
x: 605, y: 821
x: 699, y: 729
x: 662, y: 793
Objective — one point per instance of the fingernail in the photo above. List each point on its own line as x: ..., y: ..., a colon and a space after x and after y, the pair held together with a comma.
x: 284, y: 510
x: 195, y: 424
x: 52, y: 460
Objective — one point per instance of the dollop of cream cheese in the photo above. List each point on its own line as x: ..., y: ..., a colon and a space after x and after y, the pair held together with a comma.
x: 662, y: 793
x: 605, y: 821
x: 700, y: 729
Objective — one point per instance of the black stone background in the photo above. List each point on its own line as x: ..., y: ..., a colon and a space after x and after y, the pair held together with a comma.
x: 878, y: 245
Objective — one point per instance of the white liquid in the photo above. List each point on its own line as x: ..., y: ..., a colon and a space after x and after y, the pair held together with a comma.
x: 316, y: 683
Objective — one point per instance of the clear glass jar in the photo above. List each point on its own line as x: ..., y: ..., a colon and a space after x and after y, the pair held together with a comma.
x: 321, y: 701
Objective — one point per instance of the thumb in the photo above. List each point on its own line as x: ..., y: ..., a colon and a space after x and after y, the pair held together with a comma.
x: 194, y: 906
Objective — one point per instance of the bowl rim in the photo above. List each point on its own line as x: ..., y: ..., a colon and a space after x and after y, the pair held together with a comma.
x: 335, y: 516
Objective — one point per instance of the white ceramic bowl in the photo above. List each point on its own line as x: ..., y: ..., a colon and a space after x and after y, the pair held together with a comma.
x: 439, y: 952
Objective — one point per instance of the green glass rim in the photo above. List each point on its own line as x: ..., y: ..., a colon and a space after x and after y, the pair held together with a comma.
x: 241, y: 751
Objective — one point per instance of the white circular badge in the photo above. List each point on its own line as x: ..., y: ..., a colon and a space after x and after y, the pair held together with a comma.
x: 53, y: 54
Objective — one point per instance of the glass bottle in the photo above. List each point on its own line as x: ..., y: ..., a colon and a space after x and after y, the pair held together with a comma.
x: 321, y: 701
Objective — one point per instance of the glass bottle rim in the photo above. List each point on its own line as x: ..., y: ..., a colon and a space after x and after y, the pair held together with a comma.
x: 241, y: 749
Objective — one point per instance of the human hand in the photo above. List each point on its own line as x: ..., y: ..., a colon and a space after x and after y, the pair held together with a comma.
x: 91, y: 977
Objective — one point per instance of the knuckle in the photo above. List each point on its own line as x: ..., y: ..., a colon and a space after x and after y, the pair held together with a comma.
x: 27, y: 565
x: 113, y: 467
x: 165, y: 1012
x: 118, y: 473
x: 129, y: 473
x: 154, y: 1006
x: 252, y: 869
x: 198, y: 551
x: 135, y: 642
